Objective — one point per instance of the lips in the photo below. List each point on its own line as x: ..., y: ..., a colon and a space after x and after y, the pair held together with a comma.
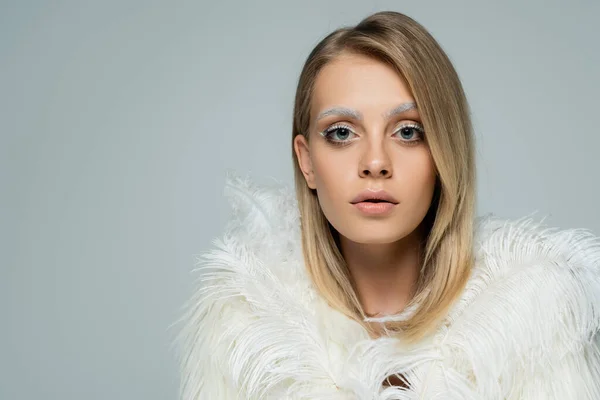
x: 372, y: 208
x: 374, y: 196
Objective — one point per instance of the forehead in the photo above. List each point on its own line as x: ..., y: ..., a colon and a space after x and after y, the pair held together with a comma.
x: 360, y: 82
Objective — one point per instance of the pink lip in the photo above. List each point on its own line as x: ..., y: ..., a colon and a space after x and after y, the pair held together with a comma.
x: 370, y: 194
x: 374, y: 208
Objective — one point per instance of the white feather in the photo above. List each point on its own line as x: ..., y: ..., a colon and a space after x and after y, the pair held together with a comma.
x: 526, y: 326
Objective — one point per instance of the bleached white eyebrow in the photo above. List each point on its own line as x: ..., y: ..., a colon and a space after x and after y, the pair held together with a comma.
x: 349, y: 112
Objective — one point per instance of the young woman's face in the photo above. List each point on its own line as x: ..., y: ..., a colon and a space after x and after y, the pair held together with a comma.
x: 365, y: 133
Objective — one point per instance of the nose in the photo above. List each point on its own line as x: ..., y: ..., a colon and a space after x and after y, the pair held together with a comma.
x: 375, y: 162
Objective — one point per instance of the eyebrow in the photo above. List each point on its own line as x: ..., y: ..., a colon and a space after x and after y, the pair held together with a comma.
x: 349, y: 112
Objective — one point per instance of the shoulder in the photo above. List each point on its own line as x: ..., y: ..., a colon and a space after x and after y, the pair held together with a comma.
x: 540, y: 267
x: 250, y: 285
x: 528, y: 263
x: 532, y: 302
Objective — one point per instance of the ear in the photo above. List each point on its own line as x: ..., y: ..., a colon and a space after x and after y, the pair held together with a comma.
x: 304, y: 160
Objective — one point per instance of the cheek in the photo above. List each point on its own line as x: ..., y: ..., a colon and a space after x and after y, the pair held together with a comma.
x: 328, y: 172
x: 330, y: 181
x: 422, y: 180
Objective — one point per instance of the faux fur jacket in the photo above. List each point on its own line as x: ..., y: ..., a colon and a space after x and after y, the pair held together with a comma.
x: 526, y: 326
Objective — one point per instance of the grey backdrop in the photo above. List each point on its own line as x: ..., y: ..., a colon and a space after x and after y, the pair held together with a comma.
x: 119, y: 118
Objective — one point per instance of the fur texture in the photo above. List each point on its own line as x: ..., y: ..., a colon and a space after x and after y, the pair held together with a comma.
x: 526, y: 326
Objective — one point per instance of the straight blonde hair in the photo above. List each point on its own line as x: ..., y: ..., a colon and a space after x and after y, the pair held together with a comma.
x: 447, y: 258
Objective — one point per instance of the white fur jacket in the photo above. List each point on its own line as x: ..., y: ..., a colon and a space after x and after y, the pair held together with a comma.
x: 526, y: 326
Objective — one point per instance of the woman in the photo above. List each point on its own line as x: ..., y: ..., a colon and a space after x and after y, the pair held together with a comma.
x: 373, y: 279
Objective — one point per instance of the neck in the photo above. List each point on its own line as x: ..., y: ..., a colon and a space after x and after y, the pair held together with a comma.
x: 385, y: 274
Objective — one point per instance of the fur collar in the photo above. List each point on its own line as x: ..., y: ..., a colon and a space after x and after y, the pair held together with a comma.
x: 525, y: 327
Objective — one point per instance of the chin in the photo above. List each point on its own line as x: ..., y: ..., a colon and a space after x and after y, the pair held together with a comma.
x: 378, y: 237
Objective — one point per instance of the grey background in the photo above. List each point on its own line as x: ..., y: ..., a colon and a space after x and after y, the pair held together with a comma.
x: 118, y: 120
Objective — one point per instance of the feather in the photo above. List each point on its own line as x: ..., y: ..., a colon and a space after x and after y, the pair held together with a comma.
x: 525, y: 327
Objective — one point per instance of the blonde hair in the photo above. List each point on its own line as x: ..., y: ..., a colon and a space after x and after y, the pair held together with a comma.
x: 404, y: 44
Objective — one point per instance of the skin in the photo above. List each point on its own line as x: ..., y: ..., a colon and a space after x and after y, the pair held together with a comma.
x: 382, y: 252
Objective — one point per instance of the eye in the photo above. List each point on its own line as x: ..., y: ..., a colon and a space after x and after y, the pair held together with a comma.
x: 411, y: 132
x: 340, y: 130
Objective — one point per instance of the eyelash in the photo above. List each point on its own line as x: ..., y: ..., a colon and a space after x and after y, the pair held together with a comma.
x: 415, y: 125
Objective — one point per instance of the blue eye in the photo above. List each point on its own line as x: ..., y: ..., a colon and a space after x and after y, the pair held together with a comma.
x: 409, y: 130
x: 342, y: 130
